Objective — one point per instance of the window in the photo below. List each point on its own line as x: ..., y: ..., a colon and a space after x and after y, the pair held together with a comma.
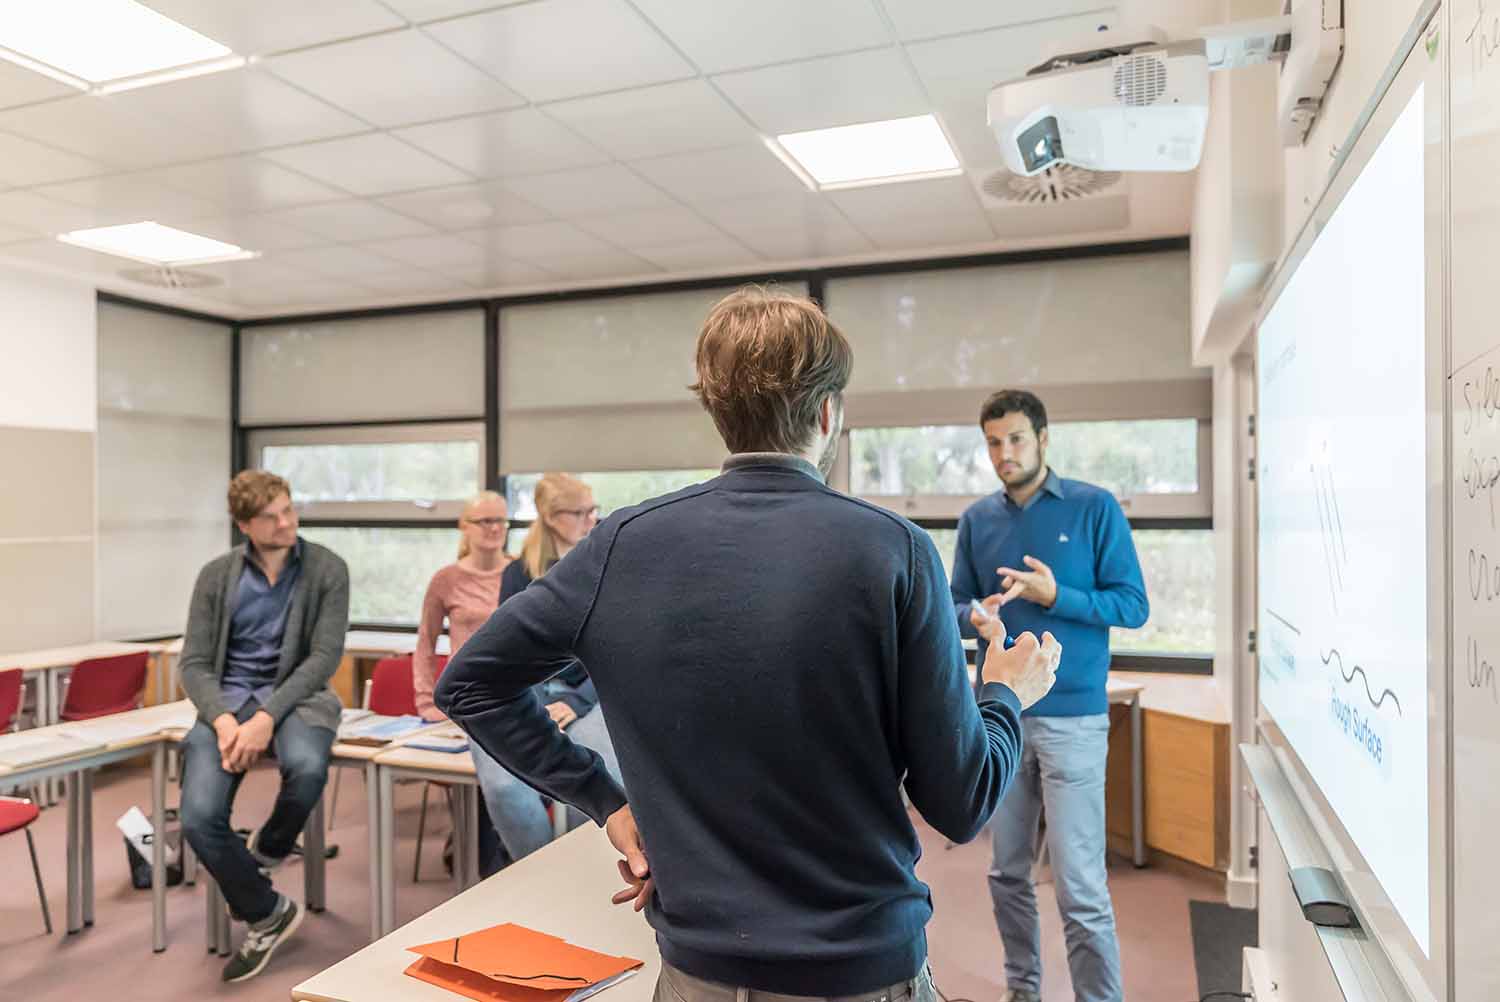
x: 1178, y: 566
x: 409, y: 471
x: 611, y: 490
x: 389, y: 568
x: 1129, y: 458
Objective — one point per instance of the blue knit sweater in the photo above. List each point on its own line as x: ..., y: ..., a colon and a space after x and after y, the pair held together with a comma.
x: 776, y: 661
x: 1080, y: 532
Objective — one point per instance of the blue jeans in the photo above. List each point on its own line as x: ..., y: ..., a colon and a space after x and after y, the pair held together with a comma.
x: 516, y: 809
x: 1062, y: 770
x: 208, y: 791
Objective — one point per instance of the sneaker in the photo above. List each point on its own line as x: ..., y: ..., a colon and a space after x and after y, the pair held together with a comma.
x: 262, y: 939
x: 267, y: 863
x: 1020, y: 995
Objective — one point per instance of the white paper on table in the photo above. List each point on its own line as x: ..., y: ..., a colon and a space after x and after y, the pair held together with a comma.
x: 108, y: 732
x: 24, y: 748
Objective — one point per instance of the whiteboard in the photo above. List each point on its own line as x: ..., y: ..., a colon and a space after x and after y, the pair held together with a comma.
x: 1343, y: 587
x: 1474, y: 463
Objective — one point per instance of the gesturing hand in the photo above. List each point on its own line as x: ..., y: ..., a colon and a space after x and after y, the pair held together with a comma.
x: 1028, y: 668
x: 634, y: 869
x: 1036, y: 585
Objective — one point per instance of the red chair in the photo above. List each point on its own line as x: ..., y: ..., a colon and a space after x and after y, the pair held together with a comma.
x: 12, y: 694
x: 17, y: 814
x: 390, y: 692
x: 101, y: 686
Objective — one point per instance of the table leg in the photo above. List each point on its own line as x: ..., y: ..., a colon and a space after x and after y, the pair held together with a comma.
x: 387, y: 829
x: 75, y: 854
x: 314, y: 875
x: 86, y: 806
x: 211, y: 906
x: 471, y: 794
x: 460, y: 804
x: 159, y: 847
x: 1137, y: 784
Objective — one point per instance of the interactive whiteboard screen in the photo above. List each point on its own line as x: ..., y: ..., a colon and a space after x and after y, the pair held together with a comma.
x: 1343, y: 516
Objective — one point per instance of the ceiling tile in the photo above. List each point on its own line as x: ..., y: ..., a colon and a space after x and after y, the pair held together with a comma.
x: 14, y: 234
x: 100, y: 128
x: 351, y: 220
x: 967, y: 128
x: 239, y: 111
x: 29, y: 211
x: 440, y: 253
x: 466, y: 206
x: 428, y: 10
x: 902, y: 202
x: 524, y: 141
x: 256, y: 27
x: 415, y: 282
x: 610, y: 264
x: 1068, y: 220
x: 717, y: 175
x: 607, y: 46
x: 965, y: 69
x: 367, y: 165
x: 256, y: 233
x: 650, y: 227
x: 650, y: 121
x: 291, y: 297
x: 929, y: 231
x: 130, y: 197
x: 788, y: 227
x: 499, y: 272
x: 536, y: 240
x: 261, y: 271
x: 767, y: 31
x: 925, y: 19
x: 588, y: 191
x: 697, y: 255
x: 338, y: 261
x: 23, y: 162
x: 393, y: 79
x: 247, y: 184
x: 19, y: 85
x: 837, y: 90
x: 66, y: 257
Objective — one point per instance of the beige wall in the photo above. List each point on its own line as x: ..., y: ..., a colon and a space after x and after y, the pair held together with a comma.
x: 47, y: 443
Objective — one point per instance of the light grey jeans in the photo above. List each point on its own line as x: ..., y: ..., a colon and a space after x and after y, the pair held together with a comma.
x: 679, y: 986
x: 1062, y: 770
x: 516, y: 809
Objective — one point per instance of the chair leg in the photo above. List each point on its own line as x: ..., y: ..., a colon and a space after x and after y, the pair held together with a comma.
x: 416, y: 867
x: 41, y: 893
x: 333, y: 807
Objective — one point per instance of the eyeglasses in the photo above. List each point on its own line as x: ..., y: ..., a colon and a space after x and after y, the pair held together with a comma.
x: 580, y: 512
x: 488, y: 523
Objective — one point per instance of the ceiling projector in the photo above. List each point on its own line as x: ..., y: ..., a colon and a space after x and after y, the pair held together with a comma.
x: 1141, y: 106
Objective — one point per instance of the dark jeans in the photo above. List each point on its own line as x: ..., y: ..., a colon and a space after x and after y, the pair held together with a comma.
x: 208, y: 791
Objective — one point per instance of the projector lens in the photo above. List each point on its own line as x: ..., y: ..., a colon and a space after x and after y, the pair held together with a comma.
x: 1040, y: 144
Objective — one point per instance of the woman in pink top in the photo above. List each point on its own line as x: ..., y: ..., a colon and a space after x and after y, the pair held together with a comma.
x: 464, y: 594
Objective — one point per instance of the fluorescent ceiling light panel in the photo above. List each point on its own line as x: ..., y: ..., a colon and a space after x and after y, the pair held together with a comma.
x: 99, y: 40
x: 901, y: 149
x: 154, y: 243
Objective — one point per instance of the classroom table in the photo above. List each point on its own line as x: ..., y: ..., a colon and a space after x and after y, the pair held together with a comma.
x: 48, y: 667
x: 456, y: 769
x: 530, y: 893
x: 1124, y: 690
x: 80, y: 824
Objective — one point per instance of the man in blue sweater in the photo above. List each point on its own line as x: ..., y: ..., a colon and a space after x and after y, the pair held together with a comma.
x: 1051, y: 554
x: 776, y: 660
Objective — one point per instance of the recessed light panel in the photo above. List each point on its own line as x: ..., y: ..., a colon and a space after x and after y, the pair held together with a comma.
x: 900, y: 149
x: 96, y: 41
x: 156, y: 244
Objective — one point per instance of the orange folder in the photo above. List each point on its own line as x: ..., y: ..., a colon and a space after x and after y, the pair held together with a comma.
x: 510, y: 963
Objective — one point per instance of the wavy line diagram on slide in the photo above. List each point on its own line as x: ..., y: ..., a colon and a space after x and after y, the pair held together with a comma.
x: 1333, y: 654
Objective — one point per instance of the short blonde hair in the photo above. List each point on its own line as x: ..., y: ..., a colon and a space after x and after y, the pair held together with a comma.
x: 252, y: 490
x: 766, y: 362
x: 553, y: 491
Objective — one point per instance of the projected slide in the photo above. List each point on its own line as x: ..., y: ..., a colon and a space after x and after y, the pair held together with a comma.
x: 1341, y: 476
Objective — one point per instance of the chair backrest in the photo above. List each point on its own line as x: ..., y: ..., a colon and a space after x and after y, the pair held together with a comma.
x: 391, y: 691
x: 10, y: 697
x: 101, y: 686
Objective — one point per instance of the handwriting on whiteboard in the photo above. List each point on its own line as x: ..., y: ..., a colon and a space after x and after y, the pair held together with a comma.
x: 1483, y: 39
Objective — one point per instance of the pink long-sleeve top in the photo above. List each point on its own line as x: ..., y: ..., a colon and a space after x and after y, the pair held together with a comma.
x: 465, y: 598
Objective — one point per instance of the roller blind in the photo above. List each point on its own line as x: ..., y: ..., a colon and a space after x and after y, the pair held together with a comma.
x: 418, y: 365
x: 1106, y: 337
x: 163, y: 460
x: 602, y: 384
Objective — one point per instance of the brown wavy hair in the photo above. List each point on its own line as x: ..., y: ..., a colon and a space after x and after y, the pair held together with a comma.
x: 252, y: 490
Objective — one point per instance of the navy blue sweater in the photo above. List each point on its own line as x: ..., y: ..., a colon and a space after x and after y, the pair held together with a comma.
x: 775, y: 659
x: 1079, y: 531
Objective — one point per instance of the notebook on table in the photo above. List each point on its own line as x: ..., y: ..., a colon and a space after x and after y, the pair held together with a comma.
x: 376, y: 730
x: 511, y: 963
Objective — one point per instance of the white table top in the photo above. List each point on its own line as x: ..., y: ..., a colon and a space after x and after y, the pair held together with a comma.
x: 381, y: 643
x: 67, y: 657
x: 562, y: 889
x: 160, y: 719
x: 459, y: 764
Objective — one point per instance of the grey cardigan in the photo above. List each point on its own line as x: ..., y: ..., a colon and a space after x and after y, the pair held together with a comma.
x: 310, y: 650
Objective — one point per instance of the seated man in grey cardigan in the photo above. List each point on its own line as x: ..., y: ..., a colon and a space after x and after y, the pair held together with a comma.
x: 265, y: 632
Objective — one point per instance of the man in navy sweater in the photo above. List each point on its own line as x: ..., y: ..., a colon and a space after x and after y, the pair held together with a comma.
x: 776, y: 661
x: 1057, y: 555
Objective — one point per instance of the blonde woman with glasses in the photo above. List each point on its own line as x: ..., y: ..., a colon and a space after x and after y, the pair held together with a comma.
x: 566, y: 513
x: 464, y: 593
